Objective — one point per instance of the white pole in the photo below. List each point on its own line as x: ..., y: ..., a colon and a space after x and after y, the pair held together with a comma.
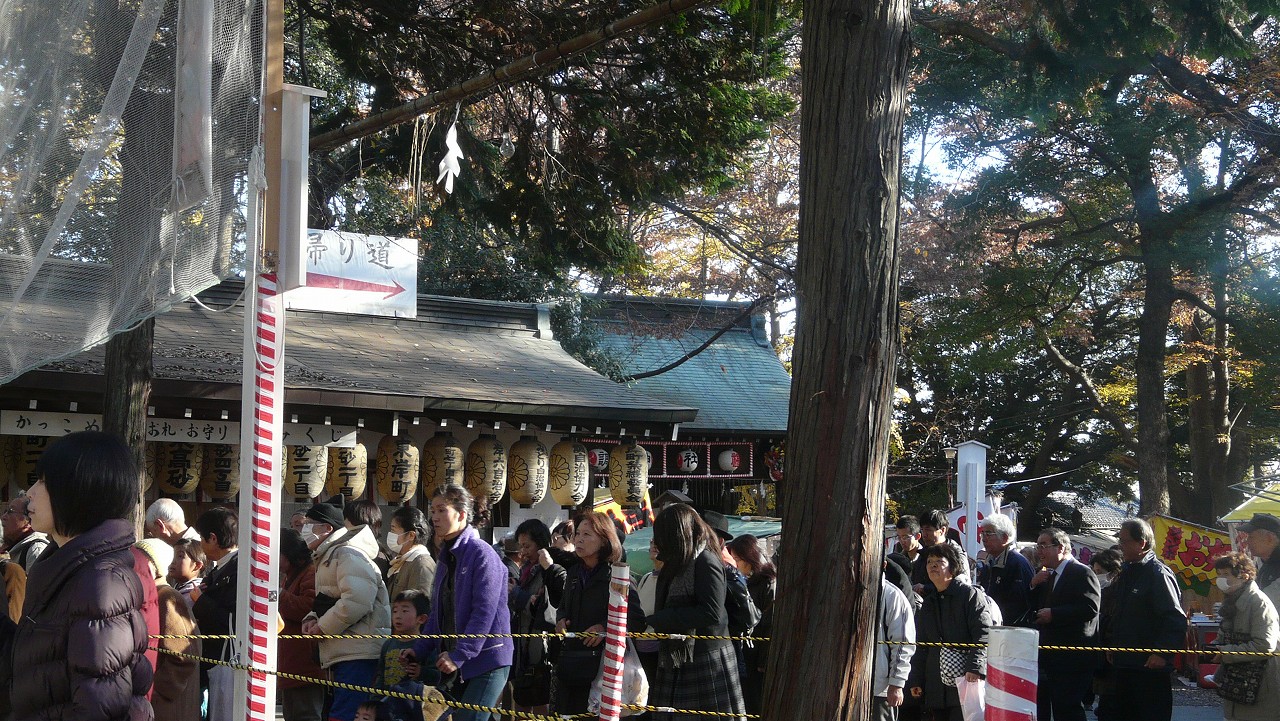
x: 1013, y: 674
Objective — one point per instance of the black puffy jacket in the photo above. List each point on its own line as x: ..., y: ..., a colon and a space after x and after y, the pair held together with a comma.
x: 78, y: 651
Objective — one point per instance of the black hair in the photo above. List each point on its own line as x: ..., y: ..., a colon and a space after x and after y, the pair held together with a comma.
x: 420, y: 602
x: 458, y: 498
x: 1109, y: 560
x: 192, y: 549
x: 91, y: 477
x: 935, y: 519
x: 679, y: 533
x: 950, y: 553
x: 910, y: 523
x: 413, y: 519
x: 565, y: 530
x: 363, y: 513
x: 222, y: 524
x: 537, y: 532
x: 294, y: 549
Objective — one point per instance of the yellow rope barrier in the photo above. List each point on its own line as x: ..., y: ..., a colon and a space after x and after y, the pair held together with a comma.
x: 1109, y: 649
x: 414, y: 636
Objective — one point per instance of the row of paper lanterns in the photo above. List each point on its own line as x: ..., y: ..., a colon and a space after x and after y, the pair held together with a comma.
x: 530, y: 470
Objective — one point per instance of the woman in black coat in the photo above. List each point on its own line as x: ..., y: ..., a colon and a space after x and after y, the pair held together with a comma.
x: 702, y: 674
x: 585, y: 609
x: 81, y: 642
x: 955, y: 613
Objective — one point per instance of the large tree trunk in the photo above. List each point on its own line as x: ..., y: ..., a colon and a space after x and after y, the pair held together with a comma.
x: 852, y: 103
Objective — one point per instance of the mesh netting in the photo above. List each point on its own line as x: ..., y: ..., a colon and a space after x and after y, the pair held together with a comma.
x: 126, y: 130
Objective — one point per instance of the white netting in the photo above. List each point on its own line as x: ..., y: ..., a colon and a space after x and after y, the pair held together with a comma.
x: 126, y: 128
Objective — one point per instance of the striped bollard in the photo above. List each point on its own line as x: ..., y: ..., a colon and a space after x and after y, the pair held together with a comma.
x: 615, y: 644
x: 1013, y: 673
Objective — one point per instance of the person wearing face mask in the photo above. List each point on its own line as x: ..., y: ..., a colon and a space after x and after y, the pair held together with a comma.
x: 322, y: 519
x: 1249, y: 623
x: 412, y: 567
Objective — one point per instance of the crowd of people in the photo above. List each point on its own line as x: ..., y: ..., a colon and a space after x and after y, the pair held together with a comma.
x: 1125, y: 598
x: 90, y: 596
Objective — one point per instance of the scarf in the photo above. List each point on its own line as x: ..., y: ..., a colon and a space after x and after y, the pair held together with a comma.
x: 674, y: 653
x: 398, y: 562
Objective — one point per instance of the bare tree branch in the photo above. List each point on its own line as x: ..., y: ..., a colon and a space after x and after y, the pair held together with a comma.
x: 746, y: 313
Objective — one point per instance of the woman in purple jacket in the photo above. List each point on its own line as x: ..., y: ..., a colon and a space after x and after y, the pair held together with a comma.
x: 470, y: 598
x: 79, y: 650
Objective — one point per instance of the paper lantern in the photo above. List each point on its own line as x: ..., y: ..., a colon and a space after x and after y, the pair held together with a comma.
x: 568, y: 473
x: 397, y: 468
x: 150, y: 464
x: 687, y: 460
x: 306, y: 470
x: 527, y: 471
x: 30, y: 448
x: 729, y: 460
x: 348, y: 471
x: 442, y: 463
x: 8, y: 461
x: 220, y: 475
x: 486, y: 475
x: 628, y: 474
x: 178, y: 467
x: 599, y: 459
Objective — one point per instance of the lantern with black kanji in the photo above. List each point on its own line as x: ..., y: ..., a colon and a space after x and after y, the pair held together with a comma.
x: 687, y: 460
x: 220, y: 475
x: 179, y: 466
x: 348, y: 471
x: 569, y: 473
x: 397, y: 468
x: 30, y: 448
x: 628, y: 474
x: 443, y: 462
x: 527, y: 471
x: 486, y: 475
x: 599, y: 459
x: 306, y: 470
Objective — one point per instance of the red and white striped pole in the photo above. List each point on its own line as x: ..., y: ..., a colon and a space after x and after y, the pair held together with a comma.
x: 261, y: 428
x: 615, y: 644
x: 1013, y: 673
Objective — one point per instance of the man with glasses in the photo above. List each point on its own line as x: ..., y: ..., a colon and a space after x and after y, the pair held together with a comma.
x: 1006, y: 575
x: 23, y: 543
x: 1067, y: 598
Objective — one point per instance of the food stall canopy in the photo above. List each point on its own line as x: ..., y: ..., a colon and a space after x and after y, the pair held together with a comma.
x: 1267, y: 501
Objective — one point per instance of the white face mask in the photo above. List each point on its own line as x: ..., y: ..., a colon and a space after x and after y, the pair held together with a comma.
x: 1224, y: 584
x: 309, y: 532
x: 393, y: 540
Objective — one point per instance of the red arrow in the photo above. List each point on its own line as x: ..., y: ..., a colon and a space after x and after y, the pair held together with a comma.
x: 317, y: 280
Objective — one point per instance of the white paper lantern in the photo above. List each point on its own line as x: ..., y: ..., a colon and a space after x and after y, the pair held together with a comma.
x: 729, y: 460
x: 569, y: 473
x: 486, y: 475
x: 687, y: 460
x: 179, y: 467
x: 397, y: 468
x: 599, y: 459
x: 348, y: 471
x: 220, y: 474
x: 527, y: 471
x: 443, y: 463
x: 306, y: 469
x: 628, y: 474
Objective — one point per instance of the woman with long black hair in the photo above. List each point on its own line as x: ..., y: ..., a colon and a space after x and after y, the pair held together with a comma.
x: 698, y: 675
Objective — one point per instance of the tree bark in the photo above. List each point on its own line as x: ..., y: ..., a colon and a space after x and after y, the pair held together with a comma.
x: 1153, y: 418
x: 853, y: 99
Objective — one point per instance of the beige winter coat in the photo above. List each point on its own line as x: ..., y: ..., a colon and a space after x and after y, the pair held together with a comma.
x: 1256, y: 617
x: 345, y: 571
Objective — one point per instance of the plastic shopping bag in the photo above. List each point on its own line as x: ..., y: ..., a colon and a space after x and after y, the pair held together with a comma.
x: 635, y: 684
x: 973, y: 698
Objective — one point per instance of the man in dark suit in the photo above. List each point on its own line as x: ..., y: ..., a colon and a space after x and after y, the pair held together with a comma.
x: 1066, y: 596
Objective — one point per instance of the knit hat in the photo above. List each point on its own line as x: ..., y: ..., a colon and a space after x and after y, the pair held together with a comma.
x: 329, y: 512
x: 159, y: 552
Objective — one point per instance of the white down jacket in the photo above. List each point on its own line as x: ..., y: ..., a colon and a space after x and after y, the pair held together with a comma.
x: 345, y: 571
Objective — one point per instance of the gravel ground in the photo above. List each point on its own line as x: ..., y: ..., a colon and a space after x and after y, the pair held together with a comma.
x: 1195, y: 696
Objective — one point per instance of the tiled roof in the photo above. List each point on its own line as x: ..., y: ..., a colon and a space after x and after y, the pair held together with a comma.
x: 738, y: 383
x: 1060, y: 508
x: 458, y: 355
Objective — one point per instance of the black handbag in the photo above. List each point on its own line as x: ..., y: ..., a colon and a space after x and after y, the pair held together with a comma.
x: 1240, y: 682
x: 579, y: 665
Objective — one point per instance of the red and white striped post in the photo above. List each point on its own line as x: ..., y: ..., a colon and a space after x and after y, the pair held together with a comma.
x: 261, y: 429
x: 1013, y: 673
x: 615, y: 644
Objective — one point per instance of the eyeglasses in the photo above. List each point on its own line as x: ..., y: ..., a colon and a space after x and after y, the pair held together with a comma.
x: 11, y: 511
x: 992, y: 532
x: 1048, y: 545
